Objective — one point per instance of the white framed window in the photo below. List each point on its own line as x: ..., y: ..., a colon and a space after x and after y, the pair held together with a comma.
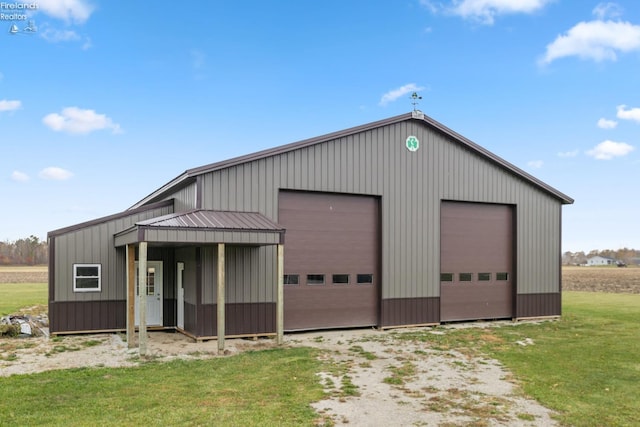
x: 87, y: 277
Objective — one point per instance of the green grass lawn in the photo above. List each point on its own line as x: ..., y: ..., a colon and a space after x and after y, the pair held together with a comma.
x: 15, y: 296
x: 269, y: 387
x: 586, y: 365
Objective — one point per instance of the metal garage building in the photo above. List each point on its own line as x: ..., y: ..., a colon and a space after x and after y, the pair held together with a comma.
x: 394, y: 223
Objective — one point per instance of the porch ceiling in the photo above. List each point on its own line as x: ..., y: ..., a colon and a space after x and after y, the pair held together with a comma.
x: 204, y: 227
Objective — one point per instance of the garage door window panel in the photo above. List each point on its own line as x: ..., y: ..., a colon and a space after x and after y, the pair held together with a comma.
x: 446, y: 277
x: 465, y: 277
x: 315, y: 279
x: 365, y: 279
x: 340, y: 279
x: 291, y: 279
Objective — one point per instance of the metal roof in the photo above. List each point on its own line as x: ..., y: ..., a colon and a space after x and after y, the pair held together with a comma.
x: 191, y: 174
x: 214, y: 220
x: 203, y: 227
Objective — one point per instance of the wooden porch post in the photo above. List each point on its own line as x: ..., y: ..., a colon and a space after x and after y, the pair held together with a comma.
x: 220, y: 299
x: 131, y: 295
x: 280, y: 297
x: 142, y: 281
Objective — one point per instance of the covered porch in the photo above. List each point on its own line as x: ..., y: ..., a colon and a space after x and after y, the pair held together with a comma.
x: 208, y: 235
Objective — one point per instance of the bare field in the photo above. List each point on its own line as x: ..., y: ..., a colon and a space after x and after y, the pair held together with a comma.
x: 601, y: 279
x: 23, y: 274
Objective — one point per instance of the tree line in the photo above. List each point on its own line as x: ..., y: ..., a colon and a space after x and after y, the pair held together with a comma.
x: 28, y: 251
x: 626, y: 255
x: 32, y: 251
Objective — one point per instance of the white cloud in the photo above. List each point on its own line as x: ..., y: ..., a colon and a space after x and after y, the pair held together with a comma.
x: 607, y: 150
x: 573, y: 153
x: 607, y: 10
x: 394, y: 94
x: 77, y: 11
x: 55, y: 174
x: 630, y: 114
x: 78, y: 121
x: 607, y: 124
x: 485, y: 11
x: 55, y: 36
x: 87, y: 44
x: 19, y: 176
x: 596, y: 40
x: 6, y: 105
x: 535, y: 164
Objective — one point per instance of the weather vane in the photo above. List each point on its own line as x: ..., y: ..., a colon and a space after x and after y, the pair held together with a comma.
x: 414, y: 100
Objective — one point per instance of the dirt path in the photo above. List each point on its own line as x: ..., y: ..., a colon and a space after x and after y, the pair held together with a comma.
x: 375, y: 379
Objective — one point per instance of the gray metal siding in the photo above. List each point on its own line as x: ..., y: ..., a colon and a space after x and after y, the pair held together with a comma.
x: 411, y: 186
x: 245, y: 269
x: 94, y: 244
x: 184, y: 199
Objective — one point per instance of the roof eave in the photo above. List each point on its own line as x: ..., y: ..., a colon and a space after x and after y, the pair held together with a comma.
x: 190, y: 174
x: 183, y: 179
x: 566, y: 200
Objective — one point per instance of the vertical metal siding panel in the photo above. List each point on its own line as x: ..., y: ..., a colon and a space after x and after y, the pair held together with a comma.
x: 269, y: 189
x: 317, y: 167
x: 260, y: 178
x: 184, y: 199
x: 365, y: 165
x: 352, y: 157
x: 341, y: 173
x: 324, y: 166
x: 286, y: 176
x: 388, y: 198
x: 245, y: 255
x: 329, y: 166
x: 370, y: 164
x: 302, y: 170
x: 255, y: 281
x: 249, y: 184
x: 209, y: 274
x: 417, y: 231
x: 401, y: 208
x: 315, y: 158
x: 225, y: 183
x: 232, y: 284
x: 235, y: 184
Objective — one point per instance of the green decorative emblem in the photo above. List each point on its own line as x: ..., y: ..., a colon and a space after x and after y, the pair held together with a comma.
x: 412, y: 143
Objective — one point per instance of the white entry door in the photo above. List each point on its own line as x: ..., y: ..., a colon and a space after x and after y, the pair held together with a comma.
x: 153, y: 294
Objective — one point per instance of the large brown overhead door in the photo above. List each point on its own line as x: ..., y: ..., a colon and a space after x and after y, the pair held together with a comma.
x: 330, y: 260
x: 476, y: 261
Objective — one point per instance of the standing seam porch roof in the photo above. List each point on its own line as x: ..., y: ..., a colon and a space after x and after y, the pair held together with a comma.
x: 218, y: 220
x: 205, y: 226
x: 190, y: 174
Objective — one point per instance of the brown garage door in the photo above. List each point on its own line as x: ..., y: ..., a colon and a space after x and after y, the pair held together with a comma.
x: 476, y: 261
x: 330, y: 260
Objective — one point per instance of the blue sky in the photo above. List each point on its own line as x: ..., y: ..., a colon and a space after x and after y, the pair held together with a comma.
x: 105, y: 101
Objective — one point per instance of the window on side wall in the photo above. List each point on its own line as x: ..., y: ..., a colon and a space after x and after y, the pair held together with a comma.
x: 87, y: 278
